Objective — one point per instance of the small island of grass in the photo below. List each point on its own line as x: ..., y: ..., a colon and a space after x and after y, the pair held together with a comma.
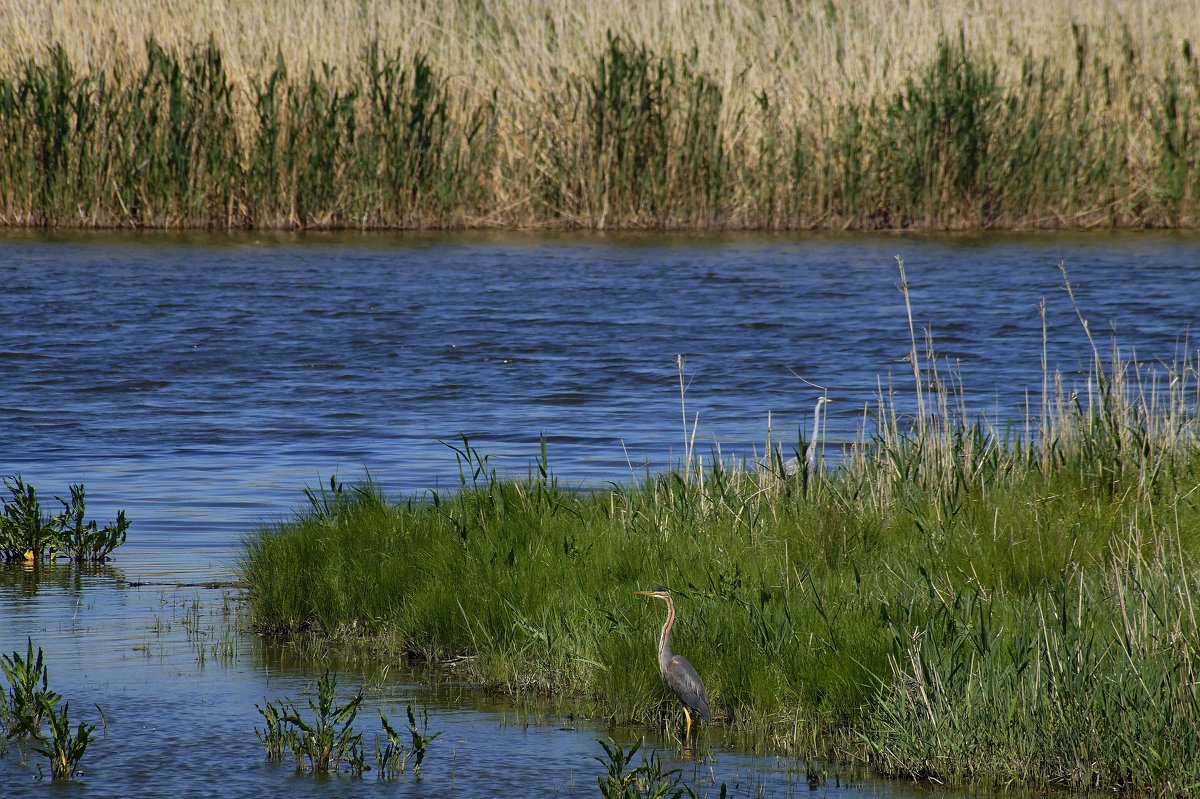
x: 945, y: 602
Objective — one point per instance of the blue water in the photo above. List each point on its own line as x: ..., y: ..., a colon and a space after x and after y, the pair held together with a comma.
x: 200, y: 382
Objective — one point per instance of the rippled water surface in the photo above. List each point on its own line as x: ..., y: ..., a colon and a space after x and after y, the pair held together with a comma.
x: 201, y: 382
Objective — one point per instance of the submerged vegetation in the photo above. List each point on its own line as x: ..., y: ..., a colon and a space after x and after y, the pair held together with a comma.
x: 30, y: 535
x: 768, y: 114
x: 947, y: 601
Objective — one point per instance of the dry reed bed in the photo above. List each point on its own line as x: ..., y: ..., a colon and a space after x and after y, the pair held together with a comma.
x: 813, y: 52
x: 758, y: 114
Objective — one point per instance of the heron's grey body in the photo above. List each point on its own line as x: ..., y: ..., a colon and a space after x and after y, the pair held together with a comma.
x: 686, y: 683
x: 677, y: 670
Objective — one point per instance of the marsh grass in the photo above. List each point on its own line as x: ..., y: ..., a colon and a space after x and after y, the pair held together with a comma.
x: 1007, y: 690
x: 945, y: 601
x: 210, y: 630
x: 770, y: 115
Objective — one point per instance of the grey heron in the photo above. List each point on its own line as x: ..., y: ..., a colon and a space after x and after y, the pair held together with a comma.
x: 791, y: 467
x: 679, y: 673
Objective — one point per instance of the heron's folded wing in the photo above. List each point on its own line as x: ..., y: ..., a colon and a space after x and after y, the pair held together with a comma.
x: 686, y: 683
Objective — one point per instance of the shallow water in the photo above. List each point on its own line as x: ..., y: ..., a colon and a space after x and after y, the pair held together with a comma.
x: 200, y: 382
x: 171, y: 679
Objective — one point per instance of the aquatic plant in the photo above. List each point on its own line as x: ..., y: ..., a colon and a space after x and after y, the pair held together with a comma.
x: 28, y: 534
x: 29, y: 701
x: 64, y: 748
x: 392, y: 758
x: 276, y: 737
x: 321, y: 745
x: 329, y: 739
x: 25, y: 532
x: 29, y: 697
x: 640, y: 782
x: 85, y: 540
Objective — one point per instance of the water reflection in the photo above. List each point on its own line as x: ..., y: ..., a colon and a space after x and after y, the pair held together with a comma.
x: 27, y: 579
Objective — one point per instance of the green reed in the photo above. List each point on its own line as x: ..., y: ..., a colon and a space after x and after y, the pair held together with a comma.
x: 643, y: 138
x: 641, y: 145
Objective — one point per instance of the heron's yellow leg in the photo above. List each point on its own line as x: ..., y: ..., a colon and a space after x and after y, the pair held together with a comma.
x: 688, y: 729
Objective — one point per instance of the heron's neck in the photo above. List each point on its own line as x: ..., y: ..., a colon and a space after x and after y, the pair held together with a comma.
x: 812, y: 444
x: 664, y: 641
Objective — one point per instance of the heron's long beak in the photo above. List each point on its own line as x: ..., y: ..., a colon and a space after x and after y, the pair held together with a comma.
x: 643, y: 593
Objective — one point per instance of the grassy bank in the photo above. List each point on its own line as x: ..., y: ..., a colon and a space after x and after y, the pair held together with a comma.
x: 758, y: 115
x: 949, y: 602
